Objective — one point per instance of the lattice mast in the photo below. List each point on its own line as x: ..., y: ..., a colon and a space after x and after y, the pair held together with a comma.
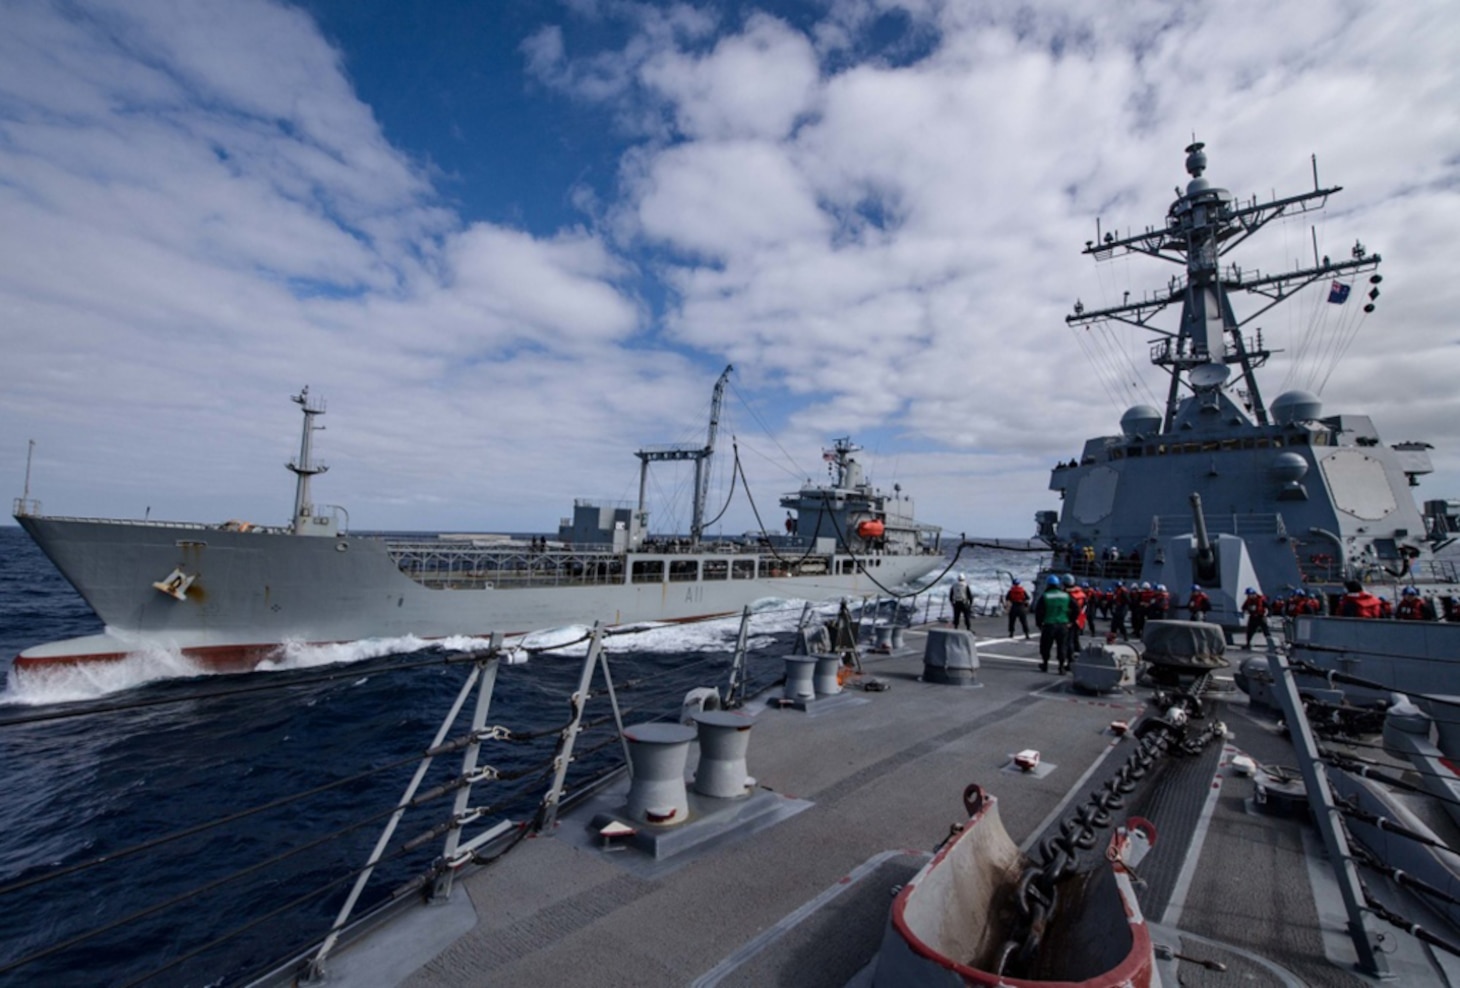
x: 1202, y: 226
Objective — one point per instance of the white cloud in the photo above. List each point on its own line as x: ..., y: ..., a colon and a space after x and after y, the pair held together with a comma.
x: 198, y: 215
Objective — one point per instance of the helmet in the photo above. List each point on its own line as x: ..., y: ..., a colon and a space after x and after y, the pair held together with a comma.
x: 1084, y: 586
x: 1251, y: 590
x: 1161, y: 587
x: 1410, y: 591
x: 1016, y: 581
x: 962, y: 578
x: 1146, y: 586
x: 1067, y: 580
x: 1196, y: 586
x: 1053, y: 580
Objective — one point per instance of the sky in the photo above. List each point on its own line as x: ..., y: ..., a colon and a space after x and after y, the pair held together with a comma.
x: 508, y: 244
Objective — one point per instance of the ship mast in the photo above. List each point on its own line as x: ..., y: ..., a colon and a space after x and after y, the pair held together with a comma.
x: 1202, y: 226
x: 304, y: 467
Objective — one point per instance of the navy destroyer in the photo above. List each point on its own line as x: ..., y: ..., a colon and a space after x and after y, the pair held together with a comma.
x: 1221, y: 490
x: 230, y: 595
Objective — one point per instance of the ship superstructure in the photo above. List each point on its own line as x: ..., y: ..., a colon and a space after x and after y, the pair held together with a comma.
x: 1221, y: 488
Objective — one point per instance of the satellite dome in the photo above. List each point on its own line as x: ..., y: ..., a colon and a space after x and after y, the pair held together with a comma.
x: 1139, y: 420
x: 1288, y: 468
x: 1296, y: 406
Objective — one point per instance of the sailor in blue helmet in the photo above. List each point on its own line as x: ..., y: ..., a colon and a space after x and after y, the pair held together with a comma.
x: 1053, y: 614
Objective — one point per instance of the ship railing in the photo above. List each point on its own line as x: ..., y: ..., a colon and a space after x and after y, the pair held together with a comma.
x: 1219, y: 523
x: 1106, y: 569
x: 457, y: 566
x: 25, y: 507
x: 191, y: 526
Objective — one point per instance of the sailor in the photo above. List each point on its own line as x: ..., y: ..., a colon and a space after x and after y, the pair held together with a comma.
x: 1077, y: 611
x: 1091, y: 608
x: 1140, y: 606
x: 1198, y: 605
x: 1119, y: 608
x: 1160, y: 604
x: 1052, y: 614
x: 1412, y: 606
x: 1358, y: 602
x: 1017, y: 602
x: 962, y: 599
x: 1255, y: 607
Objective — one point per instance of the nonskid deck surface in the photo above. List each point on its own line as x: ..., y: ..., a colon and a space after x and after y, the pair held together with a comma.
x: 871, y: 786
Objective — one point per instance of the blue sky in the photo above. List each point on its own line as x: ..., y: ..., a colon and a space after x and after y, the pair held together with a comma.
x: 510, y: 243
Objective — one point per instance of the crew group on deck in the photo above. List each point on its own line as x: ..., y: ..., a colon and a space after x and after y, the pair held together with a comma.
x: 1066, y: 610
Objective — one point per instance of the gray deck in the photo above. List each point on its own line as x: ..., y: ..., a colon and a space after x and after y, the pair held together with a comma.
x: 866, y: 791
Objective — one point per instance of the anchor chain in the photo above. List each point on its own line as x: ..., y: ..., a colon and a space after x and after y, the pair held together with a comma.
x: 1036, y: 895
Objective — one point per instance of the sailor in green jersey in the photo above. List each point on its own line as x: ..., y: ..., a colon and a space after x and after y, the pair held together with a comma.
x: 1052, y: 613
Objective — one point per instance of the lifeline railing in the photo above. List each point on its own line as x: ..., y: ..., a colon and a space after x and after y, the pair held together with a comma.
x: 458, y: 853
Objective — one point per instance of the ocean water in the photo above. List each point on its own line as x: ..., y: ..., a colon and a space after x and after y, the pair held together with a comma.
x: 109, y: 871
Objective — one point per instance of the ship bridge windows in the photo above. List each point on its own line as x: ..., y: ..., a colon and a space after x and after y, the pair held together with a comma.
x: 648, y: 571
x: 717, y: 569
x: 742, y: 569
x: 684, y: 570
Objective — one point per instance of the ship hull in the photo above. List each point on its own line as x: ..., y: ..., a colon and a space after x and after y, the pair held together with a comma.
x: 249, y: 592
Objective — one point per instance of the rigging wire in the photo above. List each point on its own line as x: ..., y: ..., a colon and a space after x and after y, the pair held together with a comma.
x: 1101, y: 374
x: 794, y: 470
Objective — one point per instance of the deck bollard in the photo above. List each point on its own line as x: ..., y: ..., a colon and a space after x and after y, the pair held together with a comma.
x: 800, y: 677
x: 824, y: 681
x: 724, y: 737
x: 658, y: 753
x: 884, y: 638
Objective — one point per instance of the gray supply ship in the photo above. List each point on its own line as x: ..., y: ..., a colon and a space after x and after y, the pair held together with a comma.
x: 229, y: 595
x: 1221, y: 489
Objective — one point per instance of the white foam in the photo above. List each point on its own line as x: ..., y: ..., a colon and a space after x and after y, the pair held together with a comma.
x: 67, y: 683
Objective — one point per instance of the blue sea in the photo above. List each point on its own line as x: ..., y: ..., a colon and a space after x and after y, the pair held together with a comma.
x: 110, y: 873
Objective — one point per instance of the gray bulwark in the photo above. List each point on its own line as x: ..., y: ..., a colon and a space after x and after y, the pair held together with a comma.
x: 951, y: 657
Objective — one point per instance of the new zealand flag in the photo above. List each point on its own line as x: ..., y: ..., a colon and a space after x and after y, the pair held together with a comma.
x: 1338, y: 294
